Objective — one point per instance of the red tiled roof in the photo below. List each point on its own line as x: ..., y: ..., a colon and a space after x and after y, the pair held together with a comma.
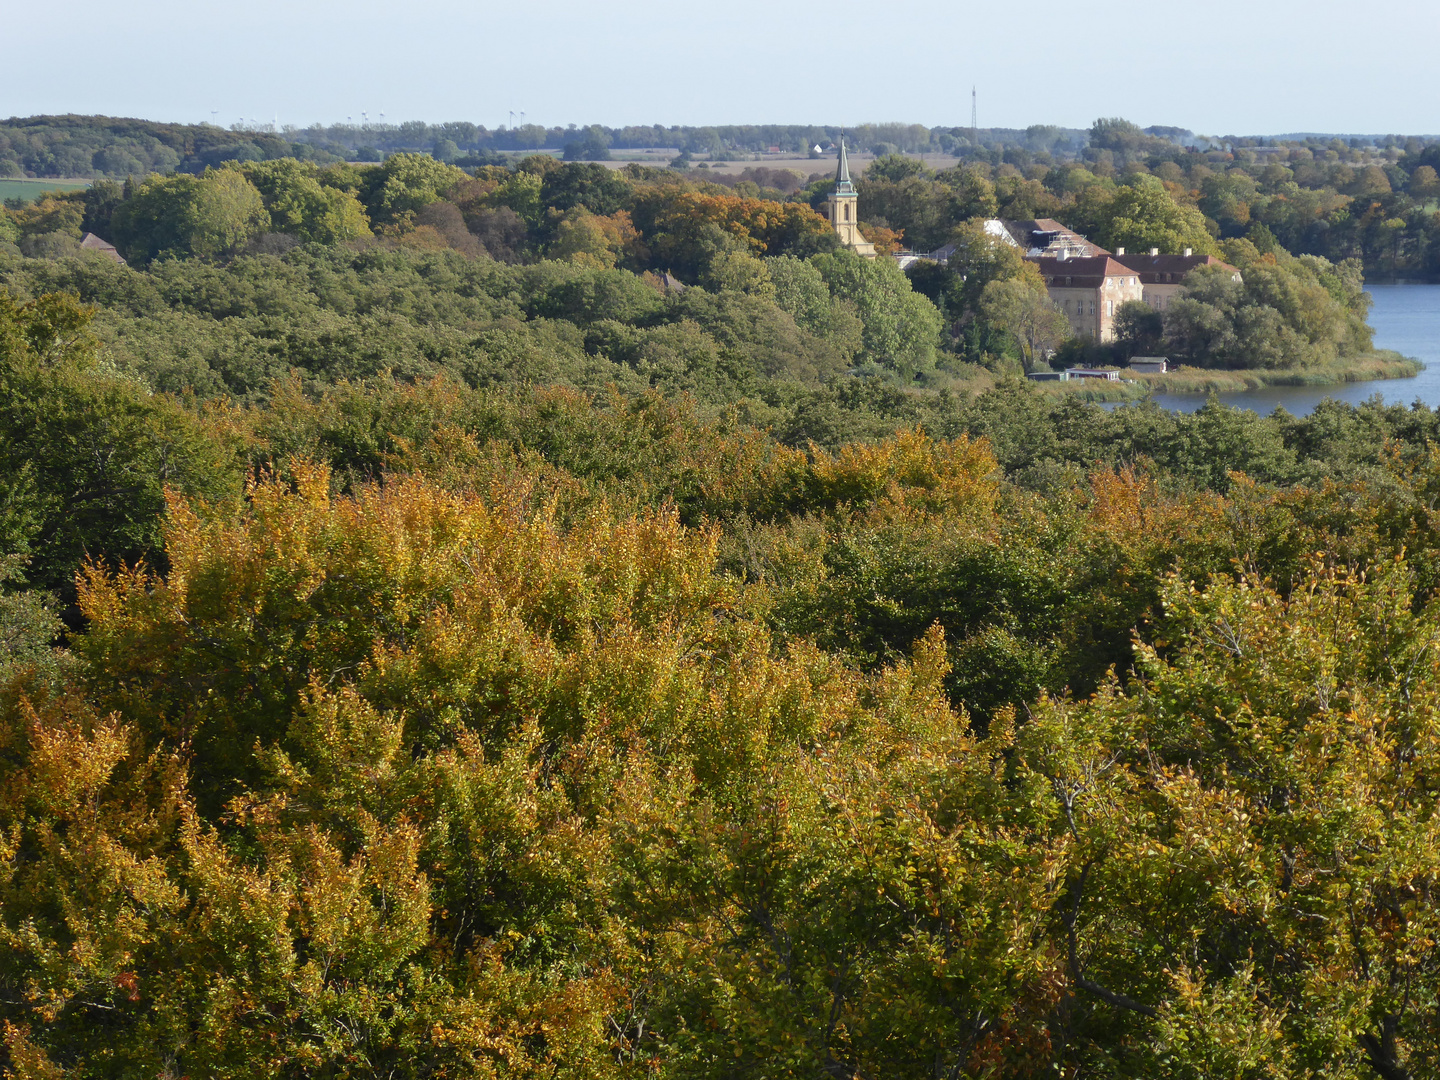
x: 1169, y: 269
x: 1083, y: 273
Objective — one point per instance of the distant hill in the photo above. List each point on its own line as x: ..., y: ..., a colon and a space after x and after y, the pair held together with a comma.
x: 88, y: 147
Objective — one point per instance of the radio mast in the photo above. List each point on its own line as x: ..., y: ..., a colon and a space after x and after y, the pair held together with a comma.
x: 974, y: 127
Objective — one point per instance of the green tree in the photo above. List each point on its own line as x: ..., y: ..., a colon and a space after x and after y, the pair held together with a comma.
x: 741, y: 272
x: 599, y: 190
x: 102, y: 198
x: 1140, y: 216
x: 902, y: 194
x: 298, y: 204
x: 29, y: 625
x: 406, y: 182
x: 96, y: 449
x: 895, y: 167
x: 1139, y: 329
x: 206, y: 216
x: 522, y: 194
x: 979, y: 258
x: 1285, y: 312
x: 1117, y: 134
x: 593, y: 145
x: 901, y: 328
x: 800, y: 289
x: 1021, y: 307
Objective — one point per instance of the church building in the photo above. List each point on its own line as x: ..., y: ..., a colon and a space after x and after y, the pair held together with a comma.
x: 842, y: 208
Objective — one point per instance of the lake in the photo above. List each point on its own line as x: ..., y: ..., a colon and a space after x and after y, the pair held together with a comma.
x: 1406, y: 318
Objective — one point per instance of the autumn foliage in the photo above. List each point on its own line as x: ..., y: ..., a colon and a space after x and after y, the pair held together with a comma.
x: 685, y: 227
x: 490, y: 776
x: 425, y: 730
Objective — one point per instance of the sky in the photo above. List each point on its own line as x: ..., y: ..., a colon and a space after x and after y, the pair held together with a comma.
x: 1238, y: 67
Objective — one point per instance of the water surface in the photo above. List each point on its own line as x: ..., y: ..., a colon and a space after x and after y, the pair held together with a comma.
x: 1406, y: 318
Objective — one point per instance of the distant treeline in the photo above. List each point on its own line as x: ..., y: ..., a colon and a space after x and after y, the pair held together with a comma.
x: 1368, y: 198
x: 114, y: 147
x: 102, y: 146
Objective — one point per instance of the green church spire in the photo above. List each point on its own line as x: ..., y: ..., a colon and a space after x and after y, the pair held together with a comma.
x: 843, y: 186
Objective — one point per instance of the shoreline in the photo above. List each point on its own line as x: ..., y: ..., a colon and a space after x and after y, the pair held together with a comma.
x: 1101, y: 391
x: 1381, y: 364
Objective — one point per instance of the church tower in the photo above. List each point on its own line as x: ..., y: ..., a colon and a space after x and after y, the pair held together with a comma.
x: 841, y: 207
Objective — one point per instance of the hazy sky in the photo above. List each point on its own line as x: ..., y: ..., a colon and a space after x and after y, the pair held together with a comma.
x: 1216, y: 67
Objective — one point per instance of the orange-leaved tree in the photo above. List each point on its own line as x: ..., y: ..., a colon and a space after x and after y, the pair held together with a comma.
x: 685, y: 228
x: 426, y: 783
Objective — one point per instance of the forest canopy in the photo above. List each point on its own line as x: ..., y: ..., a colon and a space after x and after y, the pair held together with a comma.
x: 524, y: 618
x: 430, y: 729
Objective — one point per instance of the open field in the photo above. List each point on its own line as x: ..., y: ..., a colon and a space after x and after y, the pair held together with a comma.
x: 662, y: 156
x: 30, y: 190
x: 825, y: 164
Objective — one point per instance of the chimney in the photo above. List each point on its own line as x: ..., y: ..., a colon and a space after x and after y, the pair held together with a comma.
x: 1064, y: 254
x: 1154, y: 251
x: 1119, y: 251
x: 1189, y: 252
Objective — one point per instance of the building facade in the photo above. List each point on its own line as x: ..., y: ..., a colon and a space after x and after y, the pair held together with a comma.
x: 1089, y: 291
x: 842, y: 208
x: 1087, y: 282
x: 1163, y: 276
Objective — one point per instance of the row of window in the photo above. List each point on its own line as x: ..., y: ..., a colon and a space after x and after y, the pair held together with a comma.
x: 1157, y: 302
x: 1109, y: 282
